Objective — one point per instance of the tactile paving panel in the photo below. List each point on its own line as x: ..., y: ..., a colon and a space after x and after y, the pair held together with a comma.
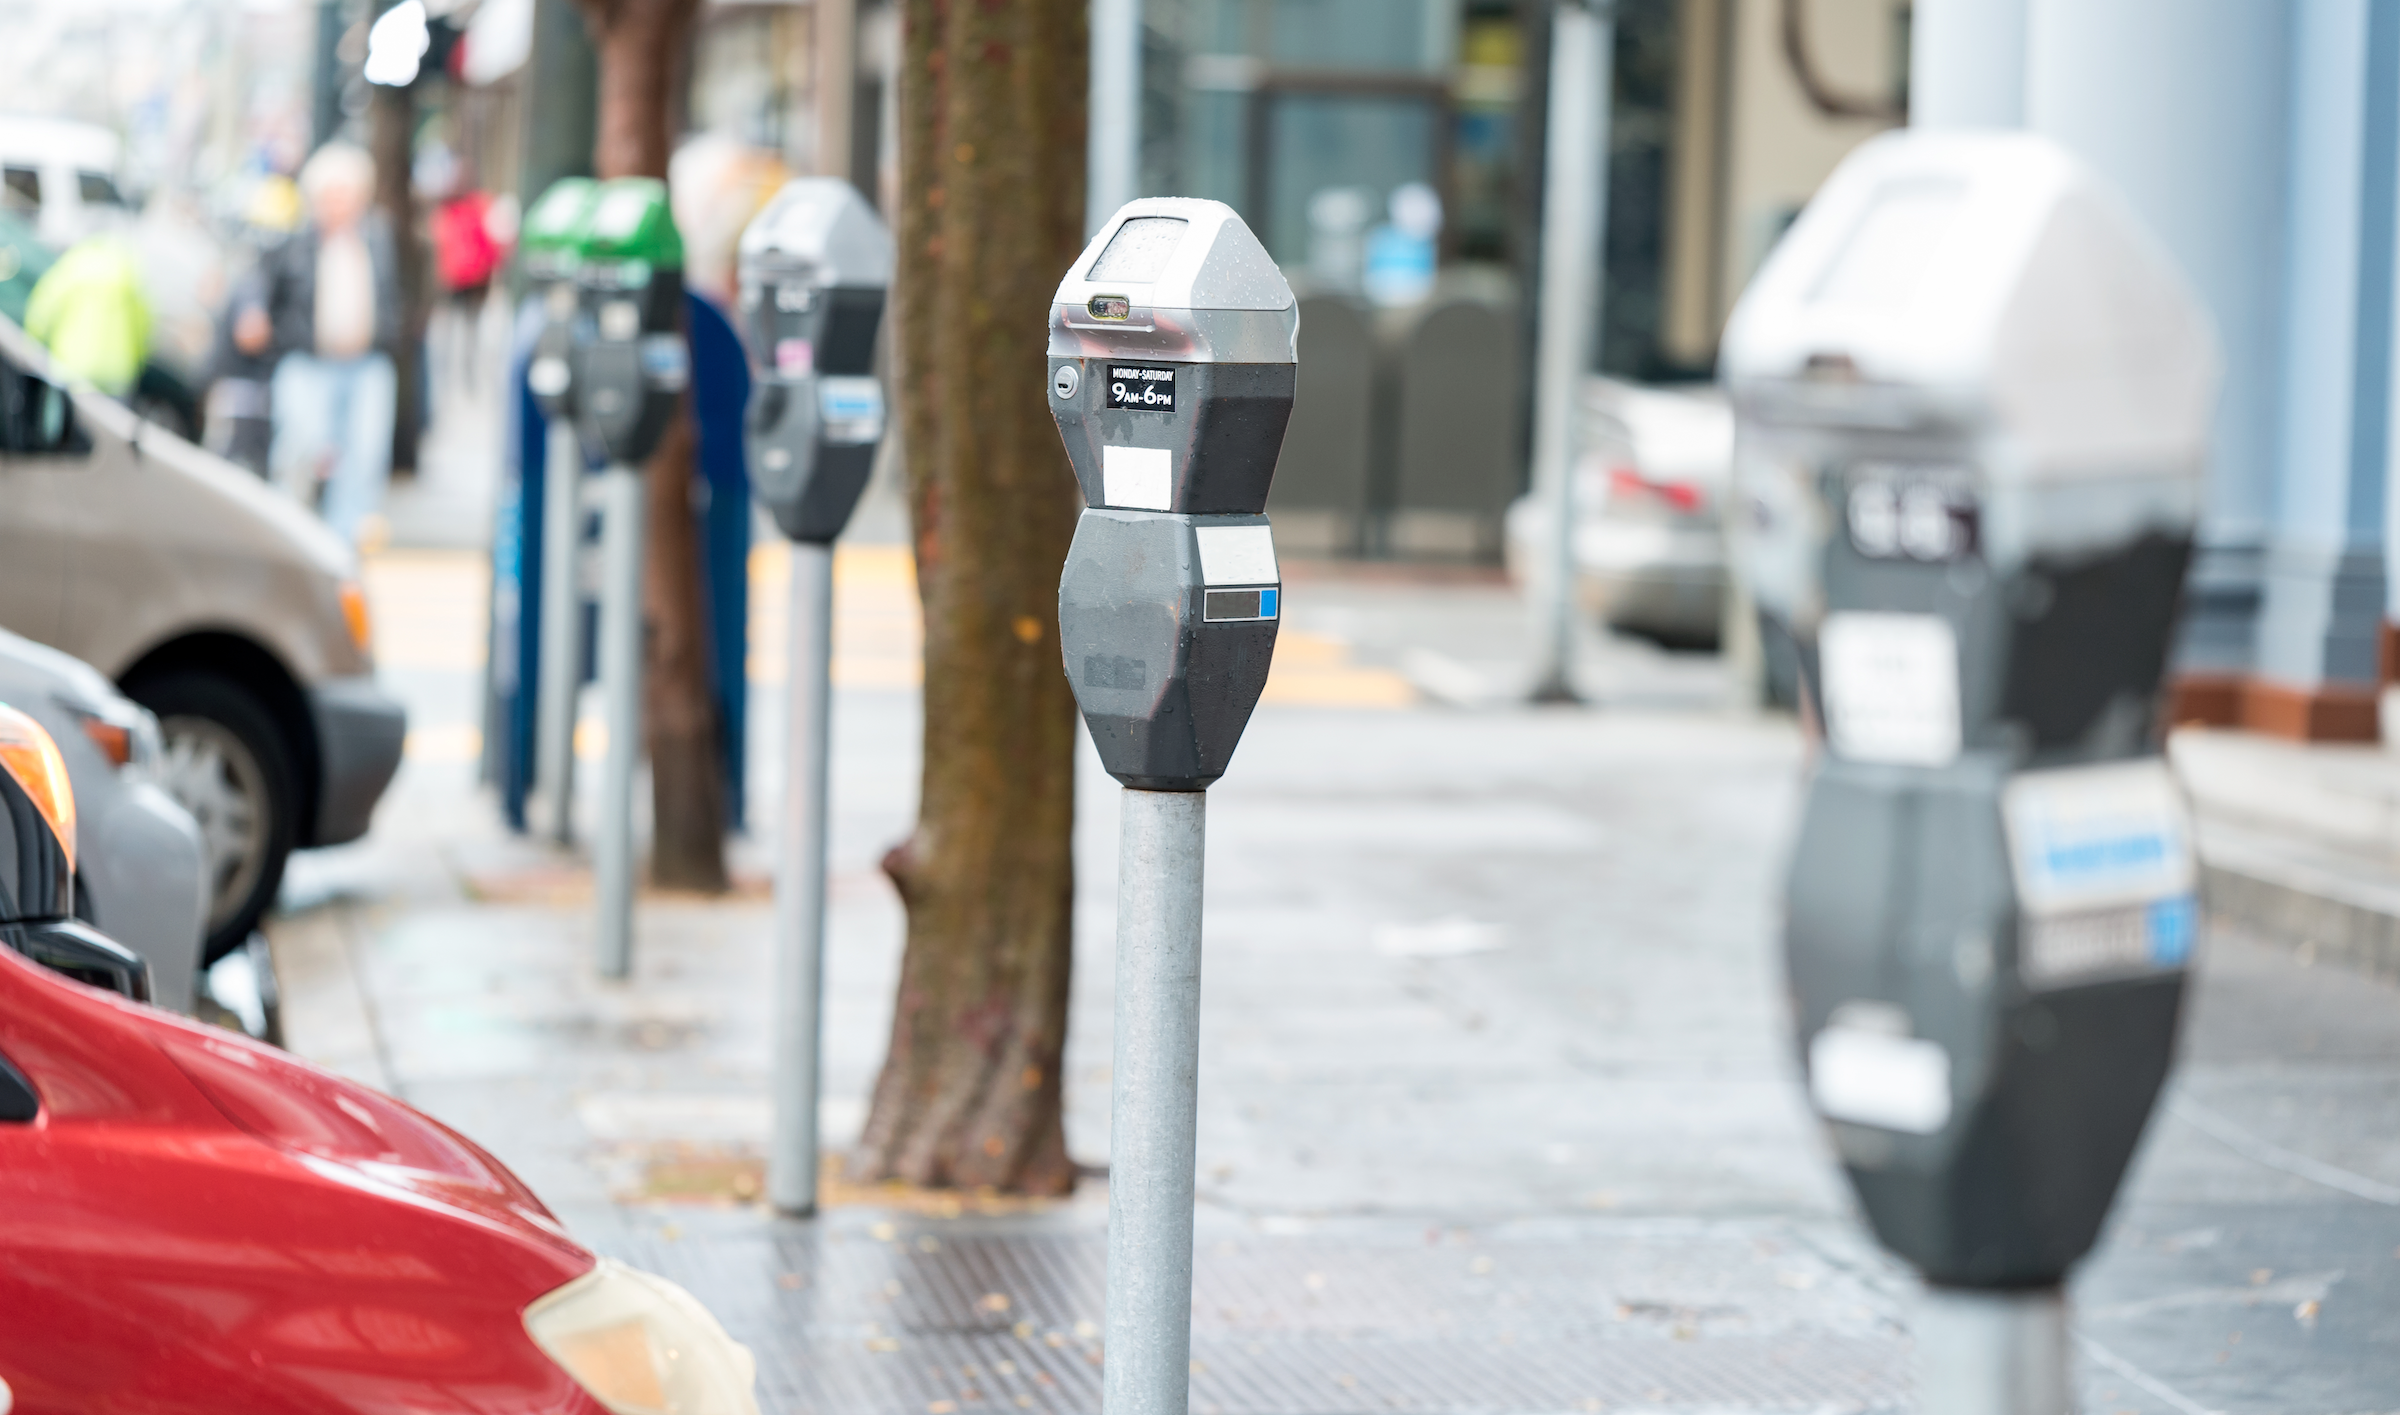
x: 949, y: 1318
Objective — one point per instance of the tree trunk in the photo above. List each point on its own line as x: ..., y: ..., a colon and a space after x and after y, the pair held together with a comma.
x: 679, y: 707
x: 642, y: 46
x: 991, y: 150
x: 391, y: 130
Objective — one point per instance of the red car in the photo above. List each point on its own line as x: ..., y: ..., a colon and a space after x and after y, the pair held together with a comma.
x: 192, y: 1221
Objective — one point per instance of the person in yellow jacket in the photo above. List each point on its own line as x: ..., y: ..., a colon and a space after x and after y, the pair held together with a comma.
x: 88, y: 311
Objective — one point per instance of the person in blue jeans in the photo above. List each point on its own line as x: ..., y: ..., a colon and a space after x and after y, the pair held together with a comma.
x: 325, y: 302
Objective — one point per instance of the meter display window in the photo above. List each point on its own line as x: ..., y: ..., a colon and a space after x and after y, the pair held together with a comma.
x: 1139, y: 250
x: 1885, y: 258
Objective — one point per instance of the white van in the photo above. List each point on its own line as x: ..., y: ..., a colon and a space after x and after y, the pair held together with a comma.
x: 61, y: 175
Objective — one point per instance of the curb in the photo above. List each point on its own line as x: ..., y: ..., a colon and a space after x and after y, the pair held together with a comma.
x: 2324, y: 918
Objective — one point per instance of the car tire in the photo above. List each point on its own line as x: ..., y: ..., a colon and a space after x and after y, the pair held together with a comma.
x: 227, y: 762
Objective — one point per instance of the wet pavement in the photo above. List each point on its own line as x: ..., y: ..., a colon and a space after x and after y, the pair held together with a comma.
x: 1498, y: 1110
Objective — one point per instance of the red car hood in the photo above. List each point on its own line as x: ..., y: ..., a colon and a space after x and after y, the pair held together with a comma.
x: 93, y: 1063
x: 204, y: 1223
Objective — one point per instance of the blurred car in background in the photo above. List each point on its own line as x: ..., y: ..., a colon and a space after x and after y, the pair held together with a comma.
x: 140, y: 876
x: 204, y: 1223
x: 212, y: 600
x: 1653, y: 472
x: 62, y: 175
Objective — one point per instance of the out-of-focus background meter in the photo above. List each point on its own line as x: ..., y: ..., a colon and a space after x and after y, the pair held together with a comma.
x: 1974, y: 400
x: 815, y: 265
x: 550, y: 247
x: 1171, y: 376
x: 633, y: 365
x: 630, y: 371
x: 1172, y: 362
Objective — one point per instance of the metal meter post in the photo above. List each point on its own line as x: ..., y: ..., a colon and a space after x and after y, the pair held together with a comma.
x: 550, y: 246
x: 1974, y: 401
x: 631, y: 369
x: 815, y: 264
x: 1172, y: 363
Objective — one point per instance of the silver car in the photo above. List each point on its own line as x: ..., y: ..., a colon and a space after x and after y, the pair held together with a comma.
x: 140, y: 872
x: 1653, y: 471
x: 214, y: 601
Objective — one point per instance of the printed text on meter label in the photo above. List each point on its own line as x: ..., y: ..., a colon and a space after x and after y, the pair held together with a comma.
x: 1142, y: 388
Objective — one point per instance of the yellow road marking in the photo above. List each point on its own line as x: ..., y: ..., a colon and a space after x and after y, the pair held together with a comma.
x: 431, y: 611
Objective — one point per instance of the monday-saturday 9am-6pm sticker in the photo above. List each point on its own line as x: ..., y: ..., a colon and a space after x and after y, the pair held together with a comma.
x: 1147, y: 388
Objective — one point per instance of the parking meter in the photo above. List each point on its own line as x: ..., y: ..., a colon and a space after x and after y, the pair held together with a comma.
x: 1172, y: 365
x: 1974, y: 400
x: 550, y: 250
x: 632, y: 365
x: 630, y: 371
x: 1171, y: 378
x: 814, y: 266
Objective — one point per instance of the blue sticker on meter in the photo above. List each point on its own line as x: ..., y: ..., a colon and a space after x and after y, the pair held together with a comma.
x: 2172, y: 924
x: 1144, y: 387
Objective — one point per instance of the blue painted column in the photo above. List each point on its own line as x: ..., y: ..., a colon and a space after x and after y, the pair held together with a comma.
x: 2185, y: 107
x: 1966, y: 64
x: 2318, y: 630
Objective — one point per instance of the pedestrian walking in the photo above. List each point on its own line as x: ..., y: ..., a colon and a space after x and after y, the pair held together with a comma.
x: 325, y: 303
x: 466, y: 255
x: 88, y: 311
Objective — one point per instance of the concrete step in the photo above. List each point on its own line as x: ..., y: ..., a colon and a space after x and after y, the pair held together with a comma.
x: 2299, y: 842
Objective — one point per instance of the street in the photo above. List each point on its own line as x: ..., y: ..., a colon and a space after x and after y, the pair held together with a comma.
x: 1498, y: 1108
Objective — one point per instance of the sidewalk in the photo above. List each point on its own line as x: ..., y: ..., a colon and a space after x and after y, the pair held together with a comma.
x: 1498, y: 1110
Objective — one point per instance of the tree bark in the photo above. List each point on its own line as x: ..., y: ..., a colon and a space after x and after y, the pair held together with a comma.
x: 991, y: 211
x: 642, y: 46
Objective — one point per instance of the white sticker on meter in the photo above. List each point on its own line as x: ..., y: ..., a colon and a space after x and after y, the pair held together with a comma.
x: 1237, y: 555
x: 1891, y: 687
x: 2105, y: 868
x: 1875, y: 1078
x: 1138, y: 478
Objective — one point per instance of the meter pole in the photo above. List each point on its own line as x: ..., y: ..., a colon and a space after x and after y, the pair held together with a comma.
x: 1993, y: 1352
x: 622, y: 493
x: 1574, y: 205
x: 561, y: 629
x: 1154, y: 1103
x: 800, y: 886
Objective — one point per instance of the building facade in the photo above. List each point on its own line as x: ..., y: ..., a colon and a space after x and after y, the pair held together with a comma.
x: 2261, y: 141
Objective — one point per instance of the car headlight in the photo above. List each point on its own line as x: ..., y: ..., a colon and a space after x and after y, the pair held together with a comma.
x: 643, y: 1346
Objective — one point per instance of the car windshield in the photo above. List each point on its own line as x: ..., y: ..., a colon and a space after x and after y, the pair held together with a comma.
x: 97, y: 189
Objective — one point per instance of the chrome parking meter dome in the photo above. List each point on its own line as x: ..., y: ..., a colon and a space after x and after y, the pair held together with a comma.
x: 1974, y: 401
x: 815, y: 266
x: 1172, y: 367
